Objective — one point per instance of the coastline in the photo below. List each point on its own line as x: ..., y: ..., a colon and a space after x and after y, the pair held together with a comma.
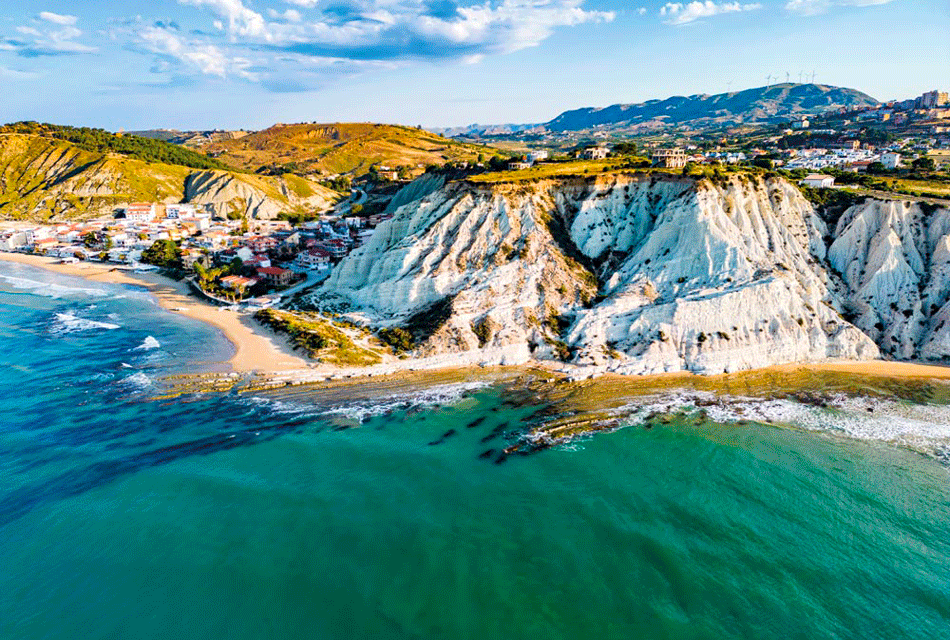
x: 256, y: 349
x: 259, y: 350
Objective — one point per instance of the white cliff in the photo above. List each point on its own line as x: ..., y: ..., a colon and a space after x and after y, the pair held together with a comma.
x: 624, y: 273
x: 894, y: 258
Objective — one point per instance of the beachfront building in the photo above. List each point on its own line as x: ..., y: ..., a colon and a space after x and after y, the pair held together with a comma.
x: 275, y: 276
x: 891, y: 160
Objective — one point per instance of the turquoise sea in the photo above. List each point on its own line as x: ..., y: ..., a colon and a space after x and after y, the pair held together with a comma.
x: 816, y: 508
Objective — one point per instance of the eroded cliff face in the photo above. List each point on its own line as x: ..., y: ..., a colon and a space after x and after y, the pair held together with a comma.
x: 894, y: 258
x: 624, y: 273
x: 43, y: 179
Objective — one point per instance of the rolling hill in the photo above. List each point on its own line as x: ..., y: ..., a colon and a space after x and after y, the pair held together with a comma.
x: 44, y: 178
x: 340, y: 148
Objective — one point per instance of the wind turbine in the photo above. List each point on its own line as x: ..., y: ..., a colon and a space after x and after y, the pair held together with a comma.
x: 813, y: 77
x: 788, y: 77
x: 768, y: 80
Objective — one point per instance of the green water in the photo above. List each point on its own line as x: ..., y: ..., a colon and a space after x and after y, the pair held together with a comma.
x: 364, y: 515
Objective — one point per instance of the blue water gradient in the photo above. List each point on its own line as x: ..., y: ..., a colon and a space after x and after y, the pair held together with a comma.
x: 378, y: 514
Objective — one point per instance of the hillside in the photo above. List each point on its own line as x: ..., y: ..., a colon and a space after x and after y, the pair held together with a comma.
x: 645, y: 273
x: 340, y: 148
x: 99, y: 140
x: 763, y: 104
x: 42, y: 178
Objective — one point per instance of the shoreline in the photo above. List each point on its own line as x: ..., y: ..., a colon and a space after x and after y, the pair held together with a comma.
x: 257, y: 349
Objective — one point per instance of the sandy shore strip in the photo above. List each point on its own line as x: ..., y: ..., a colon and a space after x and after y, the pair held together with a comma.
x: 256, y: 348
x: 259, y: 350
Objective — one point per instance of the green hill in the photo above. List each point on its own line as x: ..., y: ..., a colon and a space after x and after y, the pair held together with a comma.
x: 45, y: 178
x: 348, y: 148
x: 101, y: 141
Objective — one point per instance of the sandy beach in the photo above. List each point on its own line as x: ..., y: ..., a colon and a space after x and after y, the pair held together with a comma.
x: 256, y: 349
x: 259, y: 350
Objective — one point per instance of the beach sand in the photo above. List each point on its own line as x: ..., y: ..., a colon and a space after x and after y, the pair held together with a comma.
x: 258, y: 349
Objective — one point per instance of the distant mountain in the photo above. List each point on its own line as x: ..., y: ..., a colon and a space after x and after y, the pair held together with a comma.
x: 752, y: 106
x: 764, y: 104
x: 339, y: 148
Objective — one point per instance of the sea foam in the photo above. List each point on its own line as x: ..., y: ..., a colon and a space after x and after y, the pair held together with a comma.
x: 66, y: 323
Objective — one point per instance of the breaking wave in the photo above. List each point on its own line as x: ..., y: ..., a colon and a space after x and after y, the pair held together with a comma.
x: 66, y: 323
x: 53, y: 290
x: 148, y: 344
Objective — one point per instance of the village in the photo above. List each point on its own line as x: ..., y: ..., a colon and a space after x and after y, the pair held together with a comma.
x: 228, y: 261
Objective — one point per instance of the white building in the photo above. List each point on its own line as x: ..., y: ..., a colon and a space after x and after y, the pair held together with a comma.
x: 178, y: 211
x: 891, y: 160
x: 140, y: 212
x: 818, y: 181
x: 312, y: 260
x: 538, y: 156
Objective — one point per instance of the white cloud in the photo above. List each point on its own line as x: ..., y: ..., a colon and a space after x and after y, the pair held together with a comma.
x: 816, y: 7
x: 53, y: 35
x: 403, y: 29
x: 206, y: 58
x: 642, y: 11
x: 56, y: 18
x: 679, y: 13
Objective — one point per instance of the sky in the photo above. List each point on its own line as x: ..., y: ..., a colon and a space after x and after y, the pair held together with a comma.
x: 232, y: 64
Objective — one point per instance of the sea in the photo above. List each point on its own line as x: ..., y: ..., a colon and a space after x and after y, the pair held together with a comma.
x: 476, y: 505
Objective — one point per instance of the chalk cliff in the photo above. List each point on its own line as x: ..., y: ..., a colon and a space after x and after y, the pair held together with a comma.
x: 641, y: 274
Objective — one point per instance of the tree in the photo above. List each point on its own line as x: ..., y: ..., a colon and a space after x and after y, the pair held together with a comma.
x: 236, y: 267
x: 625, y: 149
x: 763, y: 162
x: 924, y: 163
x: 162, y: 253
x: 90, y: 240
x: 876, y: 168
x: 356, y: 209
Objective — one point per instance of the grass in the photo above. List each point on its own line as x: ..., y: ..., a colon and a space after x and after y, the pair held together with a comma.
x: 319, y: 338
x: 343, y: 148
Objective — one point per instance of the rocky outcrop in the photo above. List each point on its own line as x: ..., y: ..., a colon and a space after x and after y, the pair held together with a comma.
x: 894, y: 259
x: 621, y: 273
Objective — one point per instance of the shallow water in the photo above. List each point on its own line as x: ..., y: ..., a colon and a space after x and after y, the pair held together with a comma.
x: 752, y: 512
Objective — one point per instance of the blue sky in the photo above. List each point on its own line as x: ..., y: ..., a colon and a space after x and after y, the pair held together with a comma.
x: 250, y: 63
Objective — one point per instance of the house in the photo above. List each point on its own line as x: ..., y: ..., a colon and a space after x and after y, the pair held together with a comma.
x: 178, y: 211
x: 275, y: 276
x: 594, y: 153
x: 260, y: 244
x: 229, y: 255
x: 518, y: 165
x: 335, y: 247
x: 312, y: 260
x: 538, y: 156
x: 140, y: 212
x: 669, y: 158
x: 257, y: 261
x: 861, y: 166
x: 891, y: 160
x: 13, y: 241
x: 237, y: 282
x: 818, y: 181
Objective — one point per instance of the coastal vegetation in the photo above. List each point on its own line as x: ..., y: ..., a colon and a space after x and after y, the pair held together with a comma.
x: 319, y: 337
